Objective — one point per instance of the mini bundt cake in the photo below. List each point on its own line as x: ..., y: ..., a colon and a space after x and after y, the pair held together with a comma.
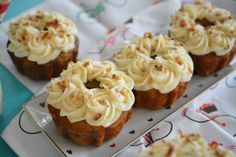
x: 208, y: 33
x: 91, y: 101
x: 41, y: 45
x: 160, y: 68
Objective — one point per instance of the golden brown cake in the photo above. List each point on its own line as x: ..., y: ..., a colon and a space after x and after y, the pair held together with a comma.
x: 186, y: 146
x: 84, y: 134
x: 157, y: 99
x: 208, y: 33
x: 204, y: 64
x: 41, y: 45
x: 91, y: 101
x: 160, y: 68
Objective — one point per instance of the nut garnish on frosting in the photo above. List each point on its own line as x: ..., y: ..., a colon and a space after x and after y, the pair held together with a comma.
x: 155, y: 62
x: 204, y: 28
x: 42, y: 36
x: 98, y: 106
x: 185, y: 146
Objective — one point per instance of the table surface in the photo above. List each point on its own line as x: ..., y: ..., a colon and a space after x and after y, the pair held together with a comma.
x: 14, y: 93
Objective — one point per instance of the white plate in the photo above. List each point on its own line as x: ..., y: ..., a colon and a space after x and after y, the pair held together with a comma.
x: 141, y: 122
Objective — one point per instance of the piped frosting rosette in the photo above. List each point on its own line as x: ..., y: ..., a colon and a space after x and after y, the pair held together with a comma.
x: 99, y: 106
x: 42, y: 36
x: 218, y: 35
x: 155, y: 62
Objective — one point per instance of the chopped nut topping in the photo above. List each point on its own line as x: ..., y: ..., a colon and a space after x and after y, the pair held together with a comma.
x: 77, y: 97
x: 178, y: 61
x: 143, y: 69
x: 170, y: 150
x: 138, y: 48
x: 109, y: 69
x: 191, y: 29
x: 62, y: 32
x: 114, y: 76
x: 39, y: 16
x: 31, y: 18
x: 187, y: 139
x: 190, y: 70
x: 97, y: 116
x: 101, y: 101
x: 62, y: 85
x: 24, y: 36
x: 181, y: 9
x: 197, y: 2
x: 176, y: 43
x: 54, y: 23
x: 158, y: 67
x: 151, y: 153
x: 45, y: 35
x: 182, y: 23
x: 85, y: 64
x: 174, y: 48
x: 123, y: 91
x: 150, y: 80
x: 26, y: 24
x: 148, y: 35
x: 90, y: 72
x: 218, y: 14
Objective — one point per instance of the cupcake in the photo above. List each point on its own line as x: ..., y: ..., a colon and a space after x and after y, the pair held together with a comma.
x: 91, y: 101
x: 186, y: 146
x: 208, y: 33
x: 41, y: 45
x: 160, y: 68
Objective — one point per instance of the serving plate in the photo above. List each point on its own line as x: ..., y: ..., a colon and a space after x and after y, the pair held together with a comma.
x: 142, y: 120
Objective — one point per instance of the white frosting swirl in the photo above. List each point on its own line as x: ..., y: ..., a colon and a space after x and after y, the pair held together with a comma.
x: 41, y: 37
x: 99, y: 106
x: 102, y: 110
x: 185, y: 146
x: 155, y: 63
x: 219, y: 36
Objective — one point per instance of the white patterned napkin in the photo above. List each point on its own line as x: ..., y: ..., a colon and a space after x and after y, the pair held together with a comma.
x: 113, y: 13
